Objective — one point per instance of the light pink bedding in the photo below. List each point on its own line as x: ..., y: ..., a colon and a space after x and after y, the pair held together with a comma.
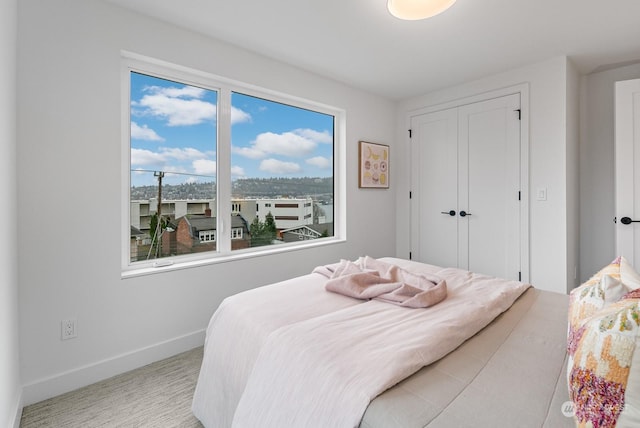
x: 369, y: 278
x: 294, y: 355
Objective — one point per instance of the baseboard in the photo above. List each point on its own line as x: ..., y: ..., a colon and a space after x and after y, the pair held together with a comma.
x: 95, y: 372
x: 17, y: 414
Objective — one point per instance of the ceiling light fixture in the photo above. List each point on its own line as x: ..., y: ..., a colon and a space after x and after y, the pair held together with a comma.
x: 417, y: 9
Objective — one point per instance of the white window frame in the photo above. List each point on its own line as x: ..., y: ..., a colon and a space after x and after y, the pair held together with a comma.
x: 236, y: 233
x: 207, y: 236
x: 132, y: 62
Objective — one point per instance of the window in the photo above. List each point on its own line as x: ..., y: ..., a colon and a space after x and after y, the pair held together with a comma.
x: 207, y: 236
x: 216, y: 168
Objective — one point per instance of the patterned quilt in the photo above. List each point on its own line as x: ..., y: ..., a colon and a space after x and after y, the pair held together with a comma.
x: 601, y: 348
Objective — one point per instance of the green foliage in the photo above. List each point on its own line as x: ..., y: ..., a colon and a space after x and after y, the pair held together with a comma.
x: 156, y: 243
x: 263, y: 233
x: 270, y: 224
x: 318, y: 212
x: 153, y: 225
x: 321, y: 188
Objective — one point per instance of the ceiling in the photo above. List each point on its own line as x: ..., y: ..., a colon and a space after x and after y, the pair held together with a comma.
x: 359, y: 43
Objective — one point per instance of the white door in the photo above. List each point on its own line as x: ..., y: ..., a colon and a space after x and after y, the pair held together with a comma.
x: 627, y: 158
x: 434, y: 171
x: 465, y: 187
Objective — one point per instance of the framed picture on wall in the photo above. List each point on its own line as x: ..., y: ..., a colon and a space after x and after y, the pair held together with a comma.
x: 373, y: 165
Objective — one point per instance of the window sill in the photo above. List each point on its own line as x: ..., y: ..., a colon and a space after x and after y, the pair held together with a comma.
x: 179, y: 264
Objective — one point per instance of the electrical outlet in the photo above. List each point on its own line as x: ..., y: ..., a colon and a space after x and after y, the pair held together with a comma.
x: 68, y: 328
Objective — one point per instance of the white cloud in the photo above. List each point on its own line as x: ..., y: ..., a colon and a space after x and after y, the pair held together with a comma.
x: 318, y: 137
x: 173, y: 92
x: 182, y: 154
x: 248, y: 152
x: 141, y: 157
x: 278, y: 167
x: 204, y: 167
x: 320, y: 162
x: 144, y: 133
x: 178, y: 111
x: 168, y: 159
x: 182, y: 106
x: 237, y: 171
x: 239, y: 116
x: 175, y: 172
x: 286, y: 144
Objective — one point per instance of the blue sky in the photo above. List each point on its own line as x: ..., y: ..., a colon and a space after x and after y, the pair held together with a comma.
x: 173, y: 129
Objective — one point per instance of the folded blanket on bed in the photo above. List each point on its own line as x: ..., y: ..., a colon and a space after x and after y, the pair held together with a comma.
x: 369, y: 278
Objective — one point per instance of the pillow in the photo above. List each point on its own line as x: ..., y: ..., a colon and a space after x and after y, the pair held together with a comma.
x: 602, y: 289
x: 629, y: 277
x: 604, y: 371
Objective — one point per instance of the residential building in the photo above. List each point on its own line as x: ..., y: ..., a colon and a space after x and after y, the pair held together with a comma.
x: 194, y: 233
x: 141, y: 211
x: 287, y: 212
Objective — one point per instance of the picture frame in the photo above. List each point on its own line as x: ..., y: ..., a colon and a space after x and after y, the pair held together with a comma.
x: 373, y: 165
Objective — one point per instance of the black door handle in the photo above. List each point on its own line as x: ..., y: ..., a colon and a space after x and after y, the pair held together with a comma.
x: 464, y: 213
x: 627, y: 220
x: 451, y: 213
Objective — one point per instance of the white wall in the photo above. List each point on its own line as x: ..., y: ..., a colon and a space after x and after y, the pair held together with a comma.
x: 597, y: 174
x: 69, y: 152
x: 573, y: 175
x: 548, y: 132
x: 10, y: 385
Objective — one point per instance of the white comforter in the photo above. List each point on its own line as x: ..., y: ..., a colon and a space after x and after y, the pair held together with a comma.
x: 294, y: 355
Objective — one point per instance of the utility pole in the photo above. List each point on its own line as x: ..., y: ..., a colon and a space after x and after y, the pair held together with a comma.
x: 160, y: 175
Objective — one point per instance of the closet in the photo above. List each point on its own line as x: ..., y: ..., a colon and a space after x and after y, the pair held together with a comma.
x: 465, y: 187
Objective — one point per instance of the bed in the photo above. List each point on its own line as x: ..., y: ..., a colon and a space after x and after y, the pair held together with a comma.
x: 286, y: 354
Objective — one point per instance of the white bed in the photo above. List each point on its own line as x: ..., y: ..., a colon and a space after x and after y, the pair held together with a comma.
x: 293, y: 354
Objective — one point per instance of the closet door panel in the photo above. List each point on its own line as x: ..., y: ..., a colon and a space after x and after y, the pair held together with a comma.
x: 627, y: 180
x: 489, y: 174
x: 434, y: 173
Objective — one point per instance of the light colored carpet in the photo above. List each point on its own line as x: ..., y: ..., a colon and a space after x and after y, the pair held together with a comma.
x: 158, y: 395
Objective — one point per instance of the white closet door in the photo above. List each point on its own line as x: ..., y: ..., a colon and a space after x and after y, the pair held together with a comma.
x: 434, y: 170
x: 627, y: 158
x: 489, y: 171
x: 467, y: 160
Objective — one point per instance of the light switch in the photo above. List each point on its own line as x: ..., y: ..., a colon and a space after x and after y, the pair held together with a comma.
x: 541, y: 194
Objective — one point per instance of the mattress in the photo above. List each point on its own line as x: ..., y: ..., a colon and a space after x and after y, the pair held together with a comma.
x: 511, y: 373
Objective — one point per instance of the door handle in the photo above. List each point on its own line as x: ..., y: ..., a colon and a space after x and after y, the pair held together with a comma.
x: 451, y: 213
x: 627, y: 220
x: 464, y: 213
